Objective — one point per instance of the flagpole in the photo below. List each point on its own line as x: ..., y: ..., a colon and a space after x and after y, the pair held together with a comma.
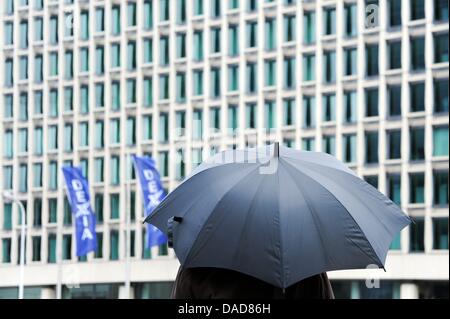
x: 128, y: 238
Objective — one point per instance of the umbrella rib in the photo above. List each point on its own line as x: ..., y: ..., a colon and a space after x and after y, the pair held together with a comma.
x: 315, y: 163
x: 357, y: 225
x: 163, y: 203
x: 212, y: 210
x: 351, y: 193
x: 312, y: 211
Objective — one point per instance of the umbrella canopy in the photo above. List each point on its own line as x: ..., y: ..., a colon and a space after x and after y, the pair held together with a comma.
x: 278, y: 214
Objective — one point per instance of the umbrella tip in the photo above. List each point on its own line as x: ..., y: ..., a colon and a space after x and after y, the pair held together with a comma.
x: 276, y: 149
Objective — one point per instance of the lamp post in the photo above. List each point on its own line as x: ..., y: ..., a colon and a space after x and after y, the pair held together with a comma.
x: 9, y: 198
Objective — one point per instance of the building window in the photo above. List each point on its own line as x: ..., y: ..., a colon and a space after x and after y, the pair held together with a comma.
x: 394, y: 140
x: 131, y: 91
x: 164, y: 87
x: 115, y: 206
x: 68, y: 29
x: 38, y: 109
x: 350, y: 114
x: 84, y: 60
x: 270, y: 116
x: 53, y: 175
x: 329, y: 21
x: 233, y: 40
x: 395, y: 100
x: 9, y: 7
x: 329, y: 107
x: 349, y: 148
x: 180, y: 123
x: 372, y: 180
x: 215, y: 120
x: 36, y: 243
x: 181, y: 87
x: 163, y: 127
x: 84, y: 25
x: 52, y: 137
x: 417, y: 143
x: 329, y: 144
x: 309, y: 67
x: 251, y: 78
x: 131, y: 14
x: 23, y: 140
x: 289, y: 72
x: 99, y: 19
x: 131, y: 131
x: 23, y: 40
x: 371, y: 95
x: 180, y: 165
x: 215, y: 40
x: 9, y: 77
x: 309, y: 111
x: 6, y: 250
x: 148, y: 91
x: 53, y: 36
x: 440, y: 10
x: 23, y: 178
x: 308, y: 144
x: 23, y: 105
x: 416, y: 238
x: 115, y: 131
x: 9, y: 106
x: 99, y: 60
x: 198, y: 46
x: 198, y: 7
x: 309, y: 27
x: 147, y: 124
x: 163, y: 164
x: 395, y: 54
x: 115, y: 96
x: 372, y: 60
x: 115, y: 170
x: 371, y: 147
x: 350, y: 60
x: 417, y: 9
x: 68, y: 139
x: 197, y: 82
x: 8, y: 33
x: 252, y: 34
x: 181, y: 45
x: 270, y: 72
x: 38, y: 138
x: 395, y: 13
x: 131, y: 56
x: 440, y: 188
x: 51, y: 248
x: 250, y: 116
x: 440, y: 233
x: 440, y: 141
x: 394, y: 188
x: 197, y: 125
x: 164, y: 51
x: 270, y: 33
x: 329, y: 70
x: 288, y: 112
x: 84, y: 134
x: 215, y: 82
x: 418, y: 53
x: 38, y: 69
x: 148, y: 50
x: 233, y: 77
x: 416, y: 188
x: 115, y: 20
x: 440, y: 48
x: 417, y: 96
x: 7, y: 216
x: 350, y: 19
x: 84, y: 99
x: 289, y: 28
x: 215, y: 8
x: 441, y: 96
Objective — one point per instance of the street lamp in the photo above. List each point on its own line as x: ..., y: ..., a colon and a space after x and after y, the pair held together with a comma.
x: 9, y: 198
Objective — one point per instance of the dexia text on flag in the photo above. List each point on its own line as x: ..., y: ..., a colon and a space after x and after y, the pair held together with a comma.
x: 79, y: 199
x: 152, y: 193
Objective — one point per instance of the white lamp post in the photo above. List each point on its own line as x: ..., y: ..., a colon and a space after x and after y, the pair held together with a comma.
x: 9, y: 198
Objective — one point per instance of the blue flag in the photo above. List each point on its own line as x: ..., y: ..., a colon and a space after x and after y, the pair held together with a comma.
x: 152, y: 193
x: 79, y: 199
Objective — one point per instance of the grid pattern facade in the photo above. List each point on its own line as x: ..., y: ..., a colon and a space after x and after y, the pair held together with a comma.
x: 89, y: 83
